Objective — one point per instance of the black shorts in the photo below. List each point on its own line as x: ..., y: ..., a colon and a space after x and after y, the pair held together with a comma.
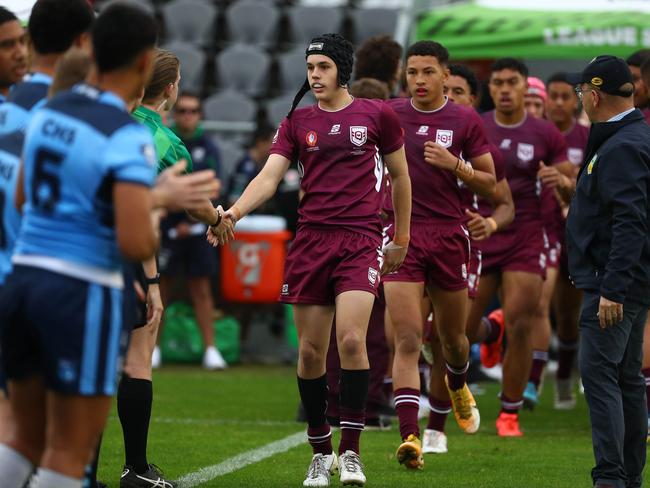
x: 69, y: 331
x: 192, y: 255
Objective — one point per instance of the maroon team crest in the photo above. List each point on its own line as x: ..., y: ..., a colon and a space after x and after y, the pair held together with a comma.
x: 525, y: 152
x: 311, y: 138
x: 358, y: 135
x: 444, y: 137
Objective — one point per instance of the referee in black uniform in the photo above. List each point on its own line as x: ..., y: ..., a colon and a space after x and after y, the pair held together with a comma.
x: 608, y: 245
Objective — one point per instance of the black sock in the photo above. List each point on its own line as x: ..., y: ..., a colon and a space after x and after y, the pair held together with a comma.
x: 134, y: 399
x: 90, y: 477
x: 354, y: 392
x: 313, y: 394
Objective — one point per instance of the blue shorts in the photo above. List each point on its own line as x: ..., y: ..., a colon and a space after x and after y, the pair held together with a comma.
x: 68, y: 331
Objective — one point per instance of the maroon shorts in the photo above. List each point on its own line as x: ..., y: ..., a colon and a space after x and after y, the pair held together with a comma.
x: 517, y: 249
x: 475, y: 265
x: 553, y: 254
x: 438, y: 255
x: 324, y: 263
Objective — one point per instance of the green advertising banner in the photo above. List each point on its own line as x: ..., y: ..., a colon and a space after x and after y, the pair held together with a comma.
x: 473, y: 31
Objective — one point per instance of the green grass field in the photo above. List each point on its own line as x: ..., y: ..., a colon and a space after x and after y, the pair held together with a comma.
x: 202, y: 419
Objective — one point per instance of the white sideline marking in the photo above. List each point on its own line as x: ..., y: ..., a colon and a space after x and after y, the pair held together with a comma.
x: 242, y: 460
x: 208, y: 422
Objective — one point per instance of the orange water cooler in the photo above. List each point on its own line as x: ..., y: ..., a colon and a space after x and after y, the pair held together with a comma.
x: 253, y: 263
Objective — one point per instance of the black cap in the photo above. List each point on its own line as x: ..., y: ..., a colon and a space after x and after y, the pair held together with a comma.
x: 607, y: 73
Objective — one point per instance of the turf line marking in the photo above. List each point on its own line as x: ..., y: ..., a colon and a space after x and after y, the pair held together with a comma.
x: 209, y: 422
x: 242, y: 460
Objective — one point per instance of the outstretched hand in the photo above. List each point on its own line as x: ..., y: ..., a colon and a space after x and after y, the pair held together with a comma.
x: 176, y: 190
x: 224, y: 232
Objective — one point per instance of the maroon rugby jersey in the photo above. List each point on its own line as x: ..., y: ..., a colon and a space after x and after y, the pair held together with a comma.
x: 523, y: 146
x: 485, y: 206
x: 436, y: 193
x: 576, y: 140
x: 340, y: 159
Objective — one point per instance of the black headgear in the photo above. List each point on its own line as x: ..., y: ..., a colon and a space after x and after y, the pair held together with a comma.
x: 338, y: 49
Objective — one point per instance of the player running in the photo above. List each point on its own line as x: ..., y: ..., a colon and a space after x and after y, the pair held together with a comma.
x: 484, y: 218
x: 335, y: 263
x: 516, y: 259
x: 439, y: 136
x: 87, y: 171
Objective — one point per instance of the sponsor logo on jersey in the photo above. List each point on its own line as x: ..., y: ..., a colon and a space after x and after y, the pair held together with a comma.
x: 505, y: 144
x: 525, y: 152
x: 149, y: 154
x: 358, y: 134
x: 373, y: 274
x: 275, y: 136
x: 335, y: 130
x: 423, y: 130
x: 444, y: 137
x: 285, y: 289
x: 311, y: 138
x: 198, y: 154
x: 575, y: 155
x: 590, y: 167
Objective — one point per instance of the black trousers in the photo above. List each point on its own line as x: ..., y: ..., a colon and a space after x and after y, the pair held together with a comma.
x: 610, y: 365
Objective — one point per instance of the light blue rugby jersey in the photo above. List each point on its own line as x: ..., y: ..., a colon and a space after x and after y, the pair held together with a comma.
x: 76, y: 148
x: 10, y: 149
x: 23, y: 99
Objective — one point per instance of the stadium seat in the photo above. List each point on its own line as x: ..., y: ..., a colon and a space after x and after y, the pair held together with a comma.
x: 189, y: 20
x: 370, y: 22
x: 252, y: 22
x: 244, y: 68
x: 293, y: 70
x: 230, y: 106
x: 192, y: 64
x: 278, y: 108
x: 309, y: 22
x: 231, y: 153
x: 324, y: 3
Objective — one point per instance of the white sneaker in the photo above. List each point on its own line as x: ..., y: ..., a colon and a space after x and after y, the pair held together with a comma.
x: 351, y: 469
x: 156, y: 358
x: 434, y: 442
x: 321, y: 469
x: 212, y: 359
x: 565, y: 398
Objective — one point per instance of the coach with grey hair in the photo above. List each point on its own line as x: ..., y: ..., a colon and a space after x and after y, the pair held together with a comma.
x: 608, y: 245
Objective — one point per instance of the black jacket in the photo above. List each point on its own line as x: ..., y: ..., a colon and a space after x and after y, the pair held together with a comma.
x: 607, y: 234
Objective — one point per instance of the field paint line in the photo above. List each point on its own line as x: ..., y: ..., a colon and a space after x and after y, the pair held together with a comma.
x: 242, y: 460
x: 208, y: 422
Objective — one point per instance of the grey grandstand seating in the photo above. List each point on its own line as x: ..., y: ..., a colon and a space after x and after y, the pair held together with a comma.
x: 192, y: 64
x: 293, y: 70
x: 370, y: 22
x: 277, y: 109
x: 190, y: 20
x: 244, y: 68
x: 231, y: 153
x: 230, y: 106
x: 309, y: 22
x: 324, y: 3
x: 253, y: 22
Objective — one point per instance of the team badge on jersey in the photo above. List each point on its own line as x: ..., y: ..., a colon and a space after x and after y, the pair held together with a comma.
x: 358, y: 135
x: 525, y: 152
x: 444, y: 137
x: 575, y: 155
x: 311, y: 138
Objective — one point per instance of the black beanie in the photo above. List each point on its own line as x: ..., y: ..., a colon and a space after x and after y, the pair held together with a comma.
x: 338, y: 49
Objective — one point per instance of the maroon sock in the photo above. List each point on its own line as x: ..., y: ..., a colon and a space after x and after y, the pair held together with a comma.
x: 540, y: 358
x: 509, y: 405
x: 565, y: 356
x: 407, y: 404
x: 320, y: 439
x: 493, y: 330
x: 456, y: 377
x: 646, y: 375
x: 354, y: 391
x: 438, y: 414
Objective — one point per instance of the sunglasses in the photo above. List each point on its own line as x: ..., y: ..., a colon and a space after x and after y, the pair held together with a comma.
x: 183, y: 111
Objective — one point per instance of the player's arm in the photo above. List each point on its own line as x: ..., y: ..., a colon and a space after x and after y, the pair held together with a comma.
x: 136, y: 236
x: 177, y: 190
x: 479, y: 177
x: 555, y: 177
x: 397, y: 167
x: 19, y: 196
x: 480, y: 227
x: 154, y: 301
x: 258, y: 191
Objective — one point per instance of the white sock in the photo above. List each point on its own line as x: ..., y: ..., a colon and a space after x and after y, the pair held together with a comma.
x: 14, y: 467
x: 46, y: 478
